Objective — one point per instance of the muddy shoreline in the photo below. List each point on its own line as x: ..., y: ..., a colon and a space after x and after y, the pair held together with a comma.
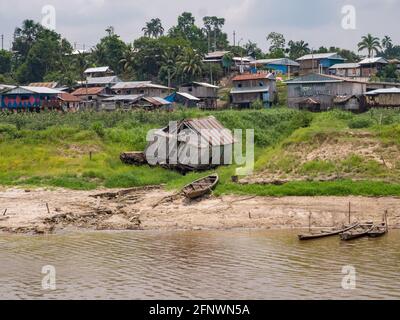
x: 45, y: 211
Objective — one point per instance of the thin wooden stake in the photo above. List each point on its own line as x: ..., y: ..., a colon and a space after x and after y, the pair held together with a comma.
x: 90, y: 155
x: 5, y: 211
x: 309, y: 222
x: 250, y: 215
x: 48, y: 209
x: 349, y: 212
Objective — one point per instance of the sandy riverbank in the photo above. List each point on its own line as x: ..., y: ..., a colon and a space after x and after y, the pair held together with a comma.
x: 154, y: 209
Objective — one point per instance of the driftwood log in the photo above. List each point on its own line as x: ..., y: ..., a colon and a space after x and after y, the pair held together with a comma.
x: 134, y: 158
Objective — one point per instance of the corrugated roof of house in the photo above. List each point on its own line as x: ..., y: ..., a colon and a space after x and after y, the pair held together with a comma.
x: 103, y: 80
x: 384, y: 91
x: 98, y: 69
x: 88, y: 91
x: 212, y: 130
x: 188, y: 96
x: 67, y: 97
x: 374, y: 60
x: 315, y: 56
x: 283, y: 62
x: 254, y: 76
x: 139, y: 84
x: 43, y: 90
x: 249, y: 90
x: 50, y: 85
x: 157, y: 101
x: 126, y: 97
x: 207, y: 85
x: 345, y: 66
x: 216, y: 54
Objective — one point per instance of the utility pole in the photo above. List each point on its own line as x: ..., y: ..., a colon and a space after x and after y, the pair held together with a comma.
x: 2, y: 42
x: 234, y: 38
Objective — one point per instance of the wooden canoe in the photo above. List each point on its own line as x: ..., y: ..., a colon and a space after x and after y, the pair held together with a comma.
x: 378, y: 231
x: 361, y: 231
x: 201, y: 187
x: 327, y: 233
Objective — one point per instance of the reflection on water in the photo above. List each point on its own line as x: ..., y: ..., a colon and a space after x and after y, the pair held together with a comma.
x: 197, y: 265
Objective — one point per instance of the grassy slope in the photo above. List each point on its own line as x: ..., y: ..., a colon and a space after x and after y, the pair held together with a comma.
x: 53, y: 150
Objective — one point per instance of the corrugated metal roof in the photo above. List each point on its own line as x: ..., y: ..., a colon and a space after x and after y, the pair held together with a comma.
x: 315, y: 56
x: 343, y: 99
x: 67, y: 97
x: 50, y: 85
x: 188, y: 96
x: 129, y: 84
x: 98, y: 70
x: 88, y: 91
x: 374, y: 60
x: 28, y: 89
x: 212, y: 130
x: 128, y: 97
x: 384, y: 91
x: 283, y: 62
x: 249, y: 90
x: 103, y: 80
x: 157, y: 101
x: 254, y: 76
x: 345, y: 66
x: 216, y: 54
x: 207, y: 85
x: 139, y: 85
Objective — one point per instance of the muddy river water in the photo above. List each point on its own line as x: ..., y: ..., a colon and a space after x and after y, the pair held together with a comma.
x: 197, y: 265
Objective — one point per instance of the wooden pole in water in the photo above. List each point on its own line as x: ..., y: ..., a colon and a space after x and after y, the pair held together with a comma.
x: 48, y: 209
x: 5, y: 211
x: 309, y: 222
x: 386, y: 220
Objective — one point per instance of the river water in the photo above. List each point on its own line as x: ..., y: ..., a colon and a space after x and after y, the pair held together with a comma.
x: 197, y: 265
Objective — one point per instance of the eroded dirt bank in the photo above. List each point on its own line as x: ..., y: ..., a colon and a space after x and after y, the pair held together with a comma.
x: 26, y: 211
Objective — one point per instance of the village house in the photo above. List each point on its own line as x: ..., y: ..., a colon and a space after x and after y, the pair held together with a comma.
x: 248, y: 88
x: 347, y: 70
x: 215, y: 57
x: 29, y: 98
x: 106, y: 82
x: 318, y: 62
x: 281, y: 66
x: 372, y: 66
x: 146, y: 88
x: 193, y: 144
x: 98, y: 72
x: 207, y: 93
x: 69, y: 102
x: 318, y: 92
x: 383, y: 98
x: 51, y: 85
x: 119, y: 102
x: 183, y: 98
x: 91, y: 97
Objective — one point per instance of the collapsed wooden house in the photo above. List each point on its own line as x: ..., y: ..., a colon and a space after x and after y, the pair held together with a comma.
x: 191, y: 145
x: 383, y: 98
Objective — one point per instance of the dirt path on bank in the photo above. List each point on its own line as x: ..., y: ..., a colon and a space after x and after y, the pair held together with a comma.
x: 25, y: 211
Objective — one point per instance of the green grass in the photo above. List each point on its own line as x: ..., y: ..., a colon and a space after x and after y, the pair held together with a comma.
x: 51, y: 149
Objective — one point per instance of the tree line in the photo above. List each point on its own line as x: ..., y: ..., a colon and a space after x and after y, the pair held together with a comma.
x: 168, y: 56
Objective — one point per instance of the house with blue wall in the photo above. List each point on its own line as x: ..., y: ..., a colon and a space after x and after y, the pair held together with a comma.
x: 281, y: 66
x: 29, y: 98
x: 318, y: 62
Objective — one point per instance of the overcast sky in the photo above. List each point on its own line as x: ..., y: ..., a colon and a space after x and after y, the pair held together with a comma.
x: 318, y: 22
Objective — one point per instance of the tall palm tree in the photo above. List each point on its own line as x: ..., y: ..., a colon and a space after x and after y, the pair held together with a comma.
x: 128, y: 59
x: 298, y: 49
x: 370, y: 43
x: 190, y: 63
x: 153, y: 28
x: 168, y: 65
x: 387, y: 42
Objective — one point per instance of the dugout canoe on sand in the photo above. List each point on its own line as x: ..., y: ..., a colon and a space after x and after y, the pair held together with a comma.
x: 201, y: 187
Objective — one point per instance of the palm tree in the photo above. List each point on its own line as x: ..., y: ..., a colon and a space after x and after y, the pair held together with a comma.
x: 370, y: 43
x: 128, y: 59
x: 190, y: 63
x: 153, y: 28
x: 168, y: 66
x: 298, y: 49
x: 387, y: 42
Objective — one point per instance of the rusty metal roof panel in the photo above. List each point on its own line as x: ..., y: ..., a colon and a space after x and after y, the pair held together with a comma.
x: 212, y: 130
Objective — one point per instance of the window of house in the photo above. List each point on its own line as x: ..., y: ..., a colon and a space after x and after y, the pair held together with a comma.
x: 190, y: 89
x: 240, y: 85
x: 261, y: 84
x: 141, y: 91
